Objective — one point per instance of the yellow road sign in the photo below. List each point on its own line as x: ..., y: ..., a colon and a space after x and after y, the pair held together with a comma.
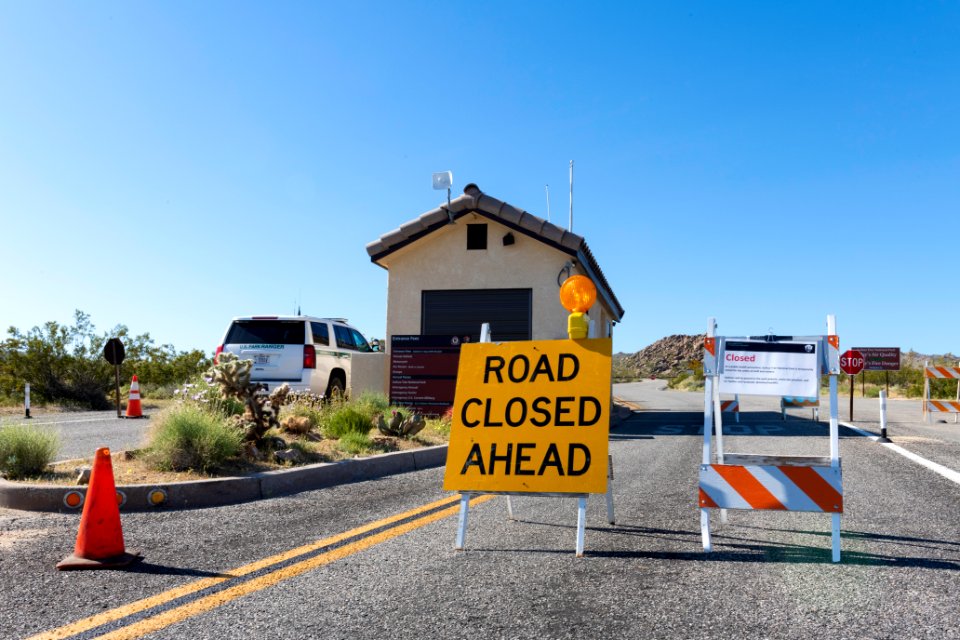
x: 531, y: 416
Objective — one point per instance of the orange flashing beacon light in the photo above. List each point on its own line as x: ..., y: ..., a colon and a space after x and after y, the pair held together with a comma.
x: 577, y: 295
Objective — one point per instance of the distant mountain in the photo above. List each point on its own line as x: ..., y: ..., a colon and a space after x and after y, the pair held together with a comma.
x: 664, y: 358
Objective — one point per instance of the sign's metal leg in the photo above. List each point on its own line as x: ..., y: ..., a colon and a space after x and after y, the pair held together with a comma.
x: 581, y: 524
x: 610, y: 517
x: 718, y: 421
x: 510, y: 508
x: 836, y: 537
x: 705, y: 530
x: 462, y: 523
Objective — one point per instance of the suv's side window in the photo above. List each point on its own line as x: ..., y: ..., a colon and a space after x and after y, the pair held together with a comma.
x: 320, y: 333
x: 344, y: 339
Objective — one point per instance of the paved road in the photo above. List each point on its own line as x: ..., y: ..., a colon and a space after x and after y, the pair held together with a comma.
x: 646, y: 576
x: 82, y: 433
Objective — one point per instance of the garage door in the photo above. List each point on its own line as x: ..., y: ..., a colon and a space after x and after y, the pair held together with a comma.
x: 461, y: 312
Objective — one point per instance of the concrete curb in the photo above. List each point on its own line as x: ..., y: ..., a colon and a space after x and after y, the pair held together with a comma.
x: 223, y: 491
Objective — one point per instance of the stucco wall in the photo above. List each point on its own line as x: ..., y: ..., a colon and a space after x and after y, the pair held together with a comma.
x: 368, y: 372
x: 441, y: 261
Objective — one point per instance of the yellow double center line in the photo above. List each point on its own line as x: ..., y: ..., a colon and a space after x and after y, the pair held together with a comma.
x: 206, y: 603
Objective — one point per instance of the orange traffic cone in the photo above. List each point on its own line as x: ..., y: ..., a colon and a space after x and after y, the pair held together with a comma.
x: 133, y: 404
x: 100, y: 538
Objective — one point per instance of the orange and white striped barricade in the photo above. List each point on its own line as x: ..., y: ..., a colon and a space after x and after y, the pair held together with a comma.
x: 931, y: 406
x: 793, y: 402
x: 731, y: 406
x: 769, y: 365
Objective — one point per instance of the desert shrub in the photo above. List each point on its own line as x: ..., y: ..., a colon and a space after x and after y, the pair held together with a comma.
x: 441, y: 425
x: 26, y: 451
x: 187, y: 436
x: 312, y: 415
x: 153, y: 391
x: 371, y: 404
x: 346, y: 419
x: 914, y: 390
x: 354, y: 442
x: 206, y: 394
x: 677, y: 380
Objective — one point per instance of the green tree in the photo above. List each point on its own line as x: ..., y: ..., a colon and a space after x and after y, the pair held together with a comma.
x: 66, y: 364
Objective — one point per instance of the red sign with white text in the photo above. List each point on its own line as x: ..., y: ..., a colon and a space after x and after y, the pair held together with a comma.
x: 880, y: 358
x: 851, y: 362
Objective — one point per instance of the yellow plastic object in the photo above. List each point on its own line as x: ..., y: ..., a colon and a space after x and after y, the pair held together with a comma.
x: 577, y: 326
x: 577, y: 294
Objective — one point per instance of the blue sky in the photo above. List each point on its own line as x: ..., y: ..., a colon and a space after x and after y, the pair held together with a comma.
x: 170, y: 165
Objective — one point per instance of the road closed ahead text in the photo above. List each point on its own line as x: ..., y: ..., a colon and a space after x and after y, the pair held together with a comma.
x: 531, y: 417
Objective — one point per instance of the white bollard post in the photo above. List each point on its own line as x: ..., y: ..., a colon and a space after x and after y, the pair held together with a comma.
x: 883, y: 416
x: 26, y: 399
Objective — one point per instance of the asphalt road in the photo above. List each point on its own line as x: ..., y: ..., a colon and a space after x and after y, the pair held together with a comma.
x: 770, y: 575
x: 82, y: 433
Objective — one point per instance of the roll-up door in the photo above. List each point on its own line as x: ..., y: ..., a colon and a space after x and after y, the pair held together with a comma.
x: 461, y: 312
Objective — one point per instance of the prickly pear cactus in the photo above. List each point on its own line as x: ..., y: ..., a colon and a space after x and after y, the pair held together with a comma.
x: 400, y: 427
x: 261, y: 410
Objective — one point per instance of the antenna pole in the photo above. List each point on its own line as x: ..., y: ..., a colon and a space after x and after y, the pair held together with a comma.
x: 547, y: 187
x: 570, y: 226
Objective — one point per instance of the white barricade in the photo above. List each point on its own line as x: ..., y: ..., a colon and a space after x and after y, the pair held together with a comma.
x: 770, y: 365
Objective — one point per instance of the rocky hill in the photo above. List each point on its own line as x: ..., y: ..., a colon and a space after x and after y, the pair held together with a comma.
x: 664, y: 358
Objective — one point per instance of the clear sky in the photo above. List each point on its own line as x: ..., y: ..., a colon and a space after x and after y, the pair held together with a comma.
x: 169, y: 165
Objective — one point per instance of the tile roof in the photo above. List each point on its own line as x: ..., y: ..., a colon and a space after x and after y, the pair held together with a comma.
x: 475, y: 201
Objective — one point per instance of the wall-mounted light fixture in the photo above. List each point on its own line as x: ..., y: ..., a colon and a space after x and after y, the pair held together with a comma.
x: 508, y: 239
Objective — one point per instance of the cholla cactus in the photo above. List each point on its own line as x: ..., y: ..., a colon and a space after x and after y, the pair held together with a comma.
x: 261, y: 410
x: 400, y: 427
x: 232, y: 374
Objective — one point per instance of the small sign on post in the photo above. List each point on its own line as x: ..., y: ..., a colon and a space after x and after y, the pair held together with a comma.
x: 114, y: 354
x: 852, y: 363
x: 884, y: 359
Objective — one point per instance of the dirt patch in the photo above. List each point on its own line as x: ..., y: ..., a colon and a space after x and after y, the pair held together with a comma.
x: 10, y: 538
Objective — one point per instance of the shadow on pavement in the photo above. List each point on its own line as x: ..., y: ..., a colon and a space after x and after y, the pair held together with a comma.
x: 740, y: 549
x: 163, y: 570
x: 687, y: 423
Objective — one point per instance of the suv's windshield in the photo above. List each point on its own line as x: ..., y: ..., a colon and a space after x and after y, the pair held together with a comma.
x: 350, y: 339
x: 266, y: 332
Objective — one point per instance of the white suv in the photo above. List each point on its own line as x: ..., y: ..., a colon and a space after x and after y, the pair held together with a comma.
x: 309, y: 354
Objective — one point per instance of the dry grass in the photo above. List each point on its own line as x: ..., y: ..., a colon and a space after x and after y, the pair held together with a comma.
x: 133, y: 467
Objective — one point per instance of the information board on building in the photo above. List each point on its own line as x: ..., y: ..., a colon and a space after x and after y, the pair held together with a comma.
x: 880, y: 358
x: 423, y: 371
x: 531, y: 416
x: 787, y: 368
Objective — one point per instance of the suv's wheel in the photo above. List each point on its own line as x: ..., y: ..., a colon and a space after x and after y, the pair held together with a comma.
x: 336, y: 387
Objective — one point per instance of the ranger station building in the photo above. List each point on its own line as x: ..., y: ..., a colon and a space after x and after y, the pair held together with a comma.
x: 483, y: 260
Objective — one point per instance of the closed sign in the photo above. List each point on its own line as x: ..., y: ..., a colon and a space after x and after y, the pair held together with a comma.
x: 531, y: 416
